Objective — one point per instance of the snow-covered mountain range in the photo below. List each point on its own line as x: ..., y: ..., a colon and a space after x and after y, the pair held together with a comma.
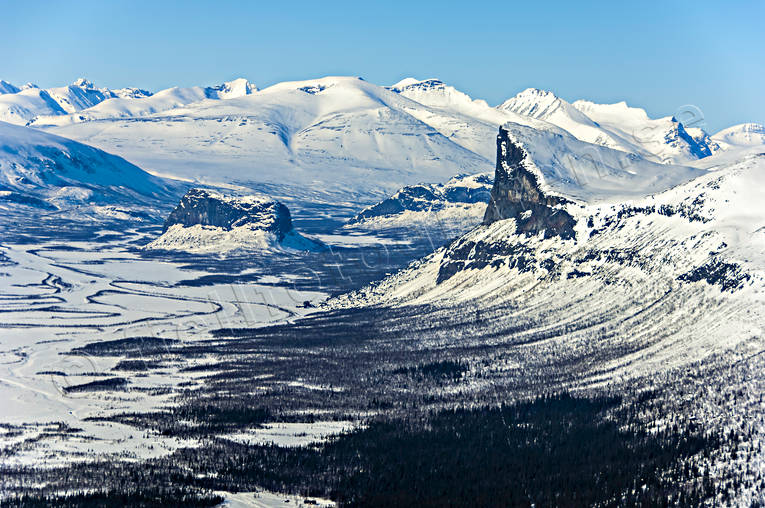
x: 615, y: 126
x: 20, y: 105
x: 343, y: 140
x: 29, y: 103
x: 290, y: 138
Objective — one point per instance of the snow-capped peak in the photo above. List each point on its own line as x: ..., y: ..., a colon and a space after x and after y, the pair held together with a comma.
x: 405, y: 83
x: 664, y: 139
x: 231, y: 89
x: 540, y: 104
x: 618, y: 112
x: 435, y: 93
x: 6, y: 87
x: 29, y: 85
x: 548, y: 107
x: 536, y: 93
x: 314, y: 86
x: 83, y: 83
x: 745, y: 134
x: 430, y: 83
x: 131, y: 93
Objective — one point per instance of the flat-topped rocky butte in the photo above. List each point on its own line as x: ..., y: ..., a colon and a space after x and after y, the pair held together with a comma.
x: 210, y: 208
x: 208, y: 221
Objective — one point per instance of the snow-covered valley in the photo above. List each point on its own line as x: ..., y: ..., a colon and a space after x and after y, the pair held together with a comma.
x: 233, y: 291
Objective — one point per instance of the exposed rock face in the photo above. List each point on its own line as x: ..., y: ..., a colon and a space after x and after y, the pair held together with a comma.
x: 209, y: 208
x: 422, y: 197
x: 678, y: 136
x: 206, y: 222
x: 466, y: 254
x: 516, y: 194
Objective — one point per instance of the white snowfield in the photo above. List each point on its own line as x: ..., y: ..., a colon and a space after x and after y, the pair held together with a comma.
x: 292, y: 137
x: 201, y: 239
x: 743, y: 135
x: 58, y: 296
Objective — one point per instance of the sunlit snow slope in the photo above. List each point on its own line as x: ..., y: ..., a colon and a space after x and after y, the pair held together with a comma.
x: 333, y: 135
x: 50, y: 172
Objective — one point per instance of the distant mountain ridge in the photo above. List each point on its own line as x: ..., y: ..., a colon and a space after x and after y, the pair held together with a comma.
x: 439, y: 212
x: 23, y: 105
x: 291, y: 137
x: 604, y: 124
x: 615, y: 126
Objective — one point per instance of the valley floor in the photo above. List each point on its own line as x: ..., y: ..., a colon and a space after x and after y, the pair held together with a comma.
x: 97, y: 286
x: 211, y: 380
x: 58, y: 297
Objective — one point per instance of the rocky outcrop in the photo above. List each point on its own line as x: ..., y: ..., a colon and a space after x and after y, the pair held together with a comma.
x: 207, y: 208
x: 698, y: 147
x: 208, y: 222
x: 465, y: 254
x: 729, y: 276
x: 462, y: 189
x: 517, y: 194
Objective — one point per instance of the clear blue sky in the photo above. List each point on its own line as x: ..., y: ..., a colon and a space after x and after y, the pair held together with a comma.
x: 660, y: 57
